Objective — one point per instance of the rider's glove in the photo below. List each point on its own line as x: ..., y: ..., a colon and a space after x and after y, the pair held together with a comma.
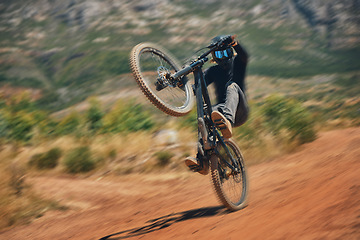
x: 234, y: 43
x: 227, y: 40
x: 230, y: 40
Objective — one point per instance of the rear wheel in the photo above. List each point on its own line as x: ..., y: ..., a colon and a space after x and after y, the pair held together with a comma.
x: 150, y: 65
x: 230, y: 186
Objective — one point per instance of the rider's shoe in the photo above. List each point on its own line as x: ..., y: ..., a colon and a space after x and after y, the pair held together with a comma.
x: 194, y: 165
x: 222, y: 124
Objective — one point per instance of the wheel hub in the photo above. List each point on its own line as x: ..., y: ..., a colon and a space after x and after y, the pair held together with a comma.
x: 164, y: 78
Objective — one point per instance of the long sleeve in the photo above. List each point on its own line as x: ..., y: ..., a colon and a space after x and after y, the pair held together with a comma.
x: 244, y: 56
x: 239, y: 66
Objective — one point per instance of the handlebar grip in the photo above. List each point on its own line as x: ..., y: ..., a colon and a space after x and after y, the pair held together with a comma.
x: 229, y: 39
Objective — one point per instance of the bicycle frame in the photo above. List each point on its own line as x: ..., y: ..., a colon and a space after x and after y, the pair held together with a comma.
x: 207, y: 131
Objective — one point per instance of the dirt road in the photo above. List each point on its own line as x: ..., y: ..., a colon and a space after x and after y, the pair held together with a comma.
x: 311, y: 194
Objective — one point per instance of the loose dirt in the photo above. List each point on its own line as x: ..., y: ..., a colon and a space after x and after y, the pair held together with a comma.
x: 311, y: 194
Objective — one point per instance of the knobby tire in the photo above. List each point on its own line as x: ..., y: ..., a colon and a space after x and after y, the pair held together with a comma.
x: 239, y: 201
x: 172, y: 100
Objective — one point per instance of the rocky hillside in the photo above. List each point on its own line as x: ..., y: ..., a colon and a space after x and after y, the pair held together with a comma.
x: 66, y: 50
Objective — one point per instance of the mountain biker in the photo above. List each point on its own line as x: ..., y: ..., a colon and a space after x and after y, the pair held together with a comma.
x: 228, y: 76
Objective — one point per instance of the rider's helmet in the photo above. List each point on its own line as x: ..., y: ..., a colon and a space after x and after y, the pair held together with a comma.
x: 223, y: 55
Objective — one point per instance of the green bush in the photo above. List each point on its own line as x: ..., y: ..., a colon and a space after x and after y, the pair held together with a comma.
x: 287, y: 114
x: 127, y: 117
x: 79, y: 160
x: 69, y: 124
x: 46, y: 160
x: 163, y: 157
x: 19, y: 117
x: 94, y: 115
x: 20, y: 126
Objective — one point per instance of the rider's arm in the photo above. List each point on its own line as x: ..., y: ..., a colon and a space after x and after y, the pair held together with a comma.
x: 208, y: 74
x: 240, y: 51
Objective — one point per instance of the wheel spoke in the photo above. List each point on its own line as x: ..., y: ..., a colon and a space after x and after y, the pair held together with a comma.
x: 170, y: 95
x: 230, y: 186
x: 151, y: 65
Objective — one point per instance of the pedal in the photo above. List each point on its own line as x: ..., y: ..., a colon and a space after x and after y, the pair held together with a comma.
x: 220, y: 124
x: 219, y: 121
x: 195, y: 168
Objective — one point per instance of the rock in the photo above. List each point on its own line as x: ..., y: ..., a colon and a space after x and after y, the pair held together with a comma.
x: 166, y: 137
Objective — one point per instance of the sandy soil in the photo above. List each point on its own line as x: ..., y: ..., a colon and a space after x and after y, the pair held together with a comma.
x: 311, y: 194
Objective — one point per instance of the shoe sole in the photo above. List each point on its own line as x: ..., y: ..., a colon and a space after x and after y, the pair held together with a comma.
x: 196, y: 168
x: 220, y: 124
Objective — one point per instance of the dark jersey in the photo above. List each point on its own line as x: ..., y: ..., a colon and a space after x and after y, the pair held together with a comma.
x: 236, y: 73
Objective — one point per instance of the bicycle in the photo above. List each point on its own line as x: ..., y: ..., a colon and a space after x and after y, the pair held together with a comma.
x: 166, y: 85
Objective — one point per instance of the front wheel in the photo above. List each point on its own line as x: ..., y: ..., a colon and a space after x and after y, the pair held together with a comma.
x: 151, y: 65
x: 230, y: 186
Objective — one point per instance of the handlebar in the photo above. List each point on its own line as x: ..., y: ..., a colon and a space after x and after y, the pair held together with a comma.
x: 222, y: 42
x: 226, y: 40
x: 190, y: 68
x: 202, y: 59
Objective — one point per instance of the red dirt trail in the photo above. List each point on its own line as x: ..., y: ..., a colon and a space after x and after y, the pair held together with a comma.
x: 311, y: 194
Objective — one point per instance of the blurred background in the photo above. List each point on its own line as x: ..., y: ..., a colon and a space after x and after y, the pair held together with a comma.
x: 69, y: 105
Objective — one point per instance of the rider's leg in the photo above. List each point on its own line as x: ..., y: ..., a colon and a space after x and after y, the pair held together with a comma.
x: 233, y: 112
x: 235, y: 107
x: 242, y: 110
x: 231, y: 101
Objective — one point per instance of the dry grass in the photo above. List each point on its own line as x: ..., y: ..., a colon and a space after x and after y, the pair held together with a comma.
x: 18, y: 203
x: 116, y: 154
x: 267, y: 148
x: 128, y: 151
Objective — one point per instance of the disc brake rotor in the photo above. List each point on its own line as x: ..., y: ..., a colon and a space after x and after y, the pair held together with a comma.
x: 164, y: 74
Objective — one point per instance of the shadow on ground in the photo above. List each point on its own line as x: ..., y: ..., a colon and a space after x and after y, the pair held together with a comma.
x: 166, y: 221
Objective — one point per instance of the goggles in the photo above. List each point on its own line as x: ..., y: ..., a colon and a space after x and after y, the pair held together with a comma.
x: 223, y: 54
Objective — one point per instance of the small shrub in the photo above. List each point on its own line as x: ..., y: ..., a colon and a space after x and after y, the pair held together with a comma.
x: 287, y: 114
x: 79, y: 160
x: 127, y: 117
x: 69, y: 124
x: 46, y: 160
x: 163, y: 157
x: 20, y: 126
x: 94, y: 115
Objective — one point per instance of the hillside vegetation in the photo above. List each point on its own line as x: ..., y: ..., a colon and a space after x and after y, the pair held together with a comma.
x: 72, y: 49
